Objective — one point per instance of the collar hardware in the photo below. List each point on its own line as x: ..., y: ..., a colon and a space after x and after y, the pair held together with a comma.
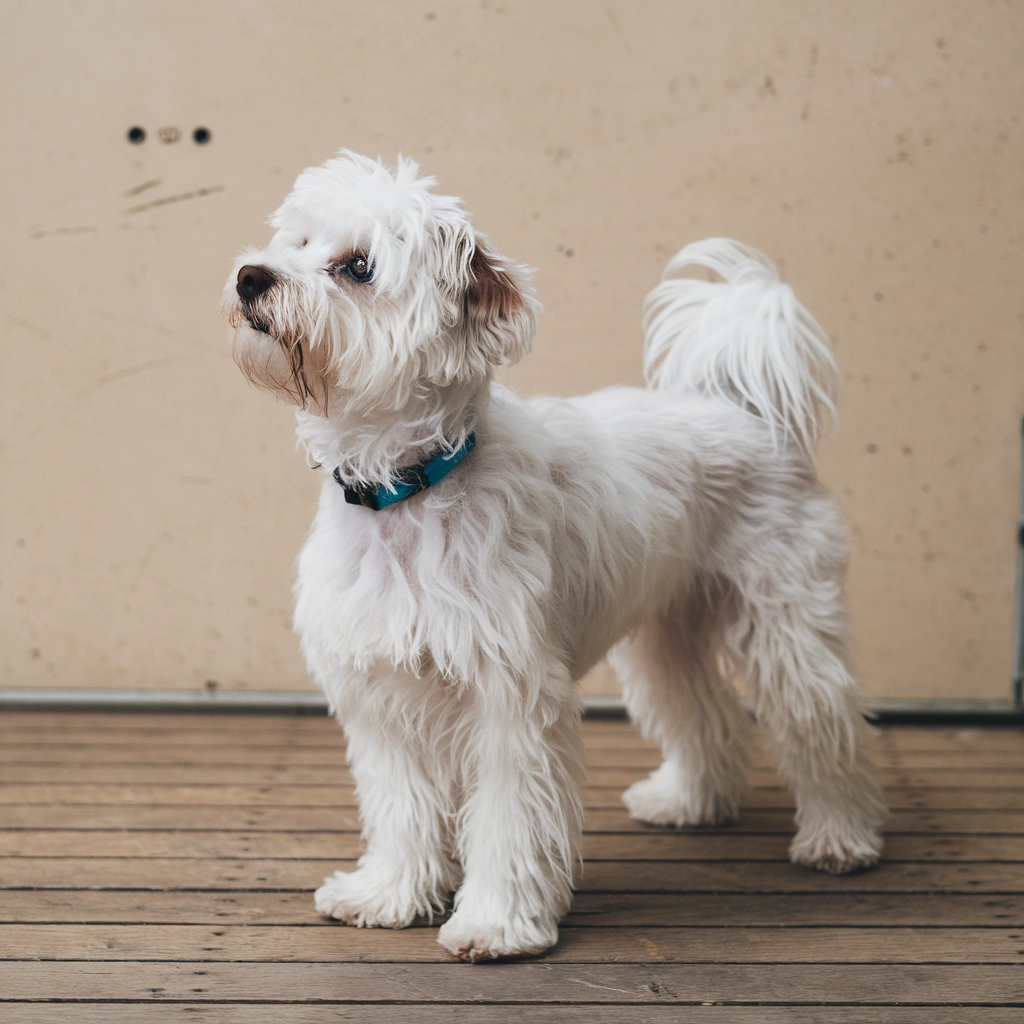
x: 410, y: 480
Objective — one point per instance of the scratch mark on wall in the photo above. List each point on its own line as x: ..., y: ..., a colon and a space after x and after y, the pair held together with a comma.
x: 180, y: 198
x: 618, y: 29
x: 152, y: 183
x: 131, y: 371
x: 812, y: 70
x: 74, y: 230
x: 30, y: 327
x: 135, y: 321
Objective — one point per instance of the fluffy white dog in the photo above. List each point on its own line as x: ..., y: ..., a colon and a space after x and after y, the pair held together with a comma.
x: 475, y: 554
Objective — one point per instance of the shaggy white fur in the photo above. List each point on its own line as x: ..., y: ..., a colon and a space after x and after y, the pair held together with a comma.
x: 682, y: 524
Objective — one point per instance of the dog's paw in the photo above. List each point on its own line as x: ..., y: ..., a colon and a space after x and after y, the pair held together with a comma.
x: 661, y: 800
x: 367, y: 900
x: 836, y: 849
x: 476, y: 938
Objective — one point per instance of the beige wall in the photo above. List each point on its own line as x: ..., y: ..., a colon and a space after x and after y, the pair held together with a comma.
x: 153, y: 503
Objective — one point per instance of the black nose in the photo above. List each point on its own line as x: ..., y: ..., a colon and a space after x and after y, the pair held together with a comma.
x: 253, y: 281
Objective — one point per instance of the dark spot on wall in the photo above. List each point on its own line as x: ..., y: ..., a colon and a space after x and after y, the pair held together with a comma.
x: 136, y: 135
x: 871, y: 448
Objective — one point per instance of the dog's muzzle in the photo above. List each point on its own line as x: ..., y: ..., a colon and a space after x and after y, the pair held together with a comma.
x: 253, y: 281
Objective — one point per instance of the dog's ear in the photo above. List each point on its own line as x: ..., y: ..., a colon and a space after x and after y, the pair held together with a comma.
x: 493, y: 303
x: 499, y: 309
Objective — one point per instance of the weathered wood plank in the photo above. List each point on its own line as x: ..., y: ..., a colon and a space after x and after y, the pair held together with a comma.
x: 777, y: 876
x: 190, y: 721
x: 224, y: 727
x: 672, y: 984
x: 175, y: 773
x: 205, y: 742
x: 223, y: 819
x: 224, y: 874
x: 660, y: 844
x: 332, y: 757
x: 341, y: 944
x: 332, y: 819
x: 290, y: 774
x: 329, y: 737
x: 343, y: 796
x: 841, y: 909
x: 288, y: 1013
x: 917, y: 737
x: 227, y: 729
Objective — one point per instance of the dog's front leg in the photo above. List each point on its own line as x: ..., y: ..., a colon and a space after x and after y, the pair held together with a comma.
x: 407, y: 870
x: 519, y: 829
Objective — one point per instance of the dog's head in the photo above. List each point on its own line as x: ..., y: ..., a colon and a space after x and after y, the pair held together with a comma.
x: 374, y: 290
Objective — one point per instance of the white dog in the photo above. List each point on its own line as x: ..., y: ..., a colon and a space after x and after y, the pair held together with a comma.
x: 683, y: 524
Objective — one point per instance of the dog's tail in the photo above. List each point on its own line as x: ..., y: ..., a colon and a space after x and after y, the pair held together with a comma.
x: 745, y: 337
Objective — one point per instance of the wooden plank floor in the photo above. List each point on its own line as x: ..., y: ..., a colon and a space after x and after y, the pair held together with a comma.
x: 159, y: 868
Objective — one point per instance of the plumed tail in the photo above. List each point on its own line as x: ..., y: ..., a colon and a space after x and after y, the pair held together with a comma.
x: 745, y: 337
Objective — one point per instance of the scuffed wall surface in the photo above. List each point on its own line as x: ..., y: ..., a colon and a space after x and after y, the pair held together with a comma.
x: 153, y: 503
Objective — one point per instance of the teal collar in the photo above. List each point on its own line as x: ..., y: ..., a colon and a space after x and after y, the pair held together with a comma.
x: 410, y: 480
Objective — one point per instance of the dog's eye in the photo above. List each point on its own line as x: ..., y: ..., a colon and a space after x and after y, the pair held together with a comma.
x: 359, y: 269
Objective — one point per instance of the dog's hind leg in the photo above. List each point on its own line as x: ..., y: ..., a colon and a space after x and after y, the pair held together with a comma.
x: 790, y: 632
x: 676, y: 693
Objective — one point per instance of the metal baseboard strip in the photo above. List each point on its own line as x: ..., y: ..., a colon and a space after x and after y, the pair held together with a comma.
x: 949, y: 712
x: 939, y: 712
x: 234, y: 701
